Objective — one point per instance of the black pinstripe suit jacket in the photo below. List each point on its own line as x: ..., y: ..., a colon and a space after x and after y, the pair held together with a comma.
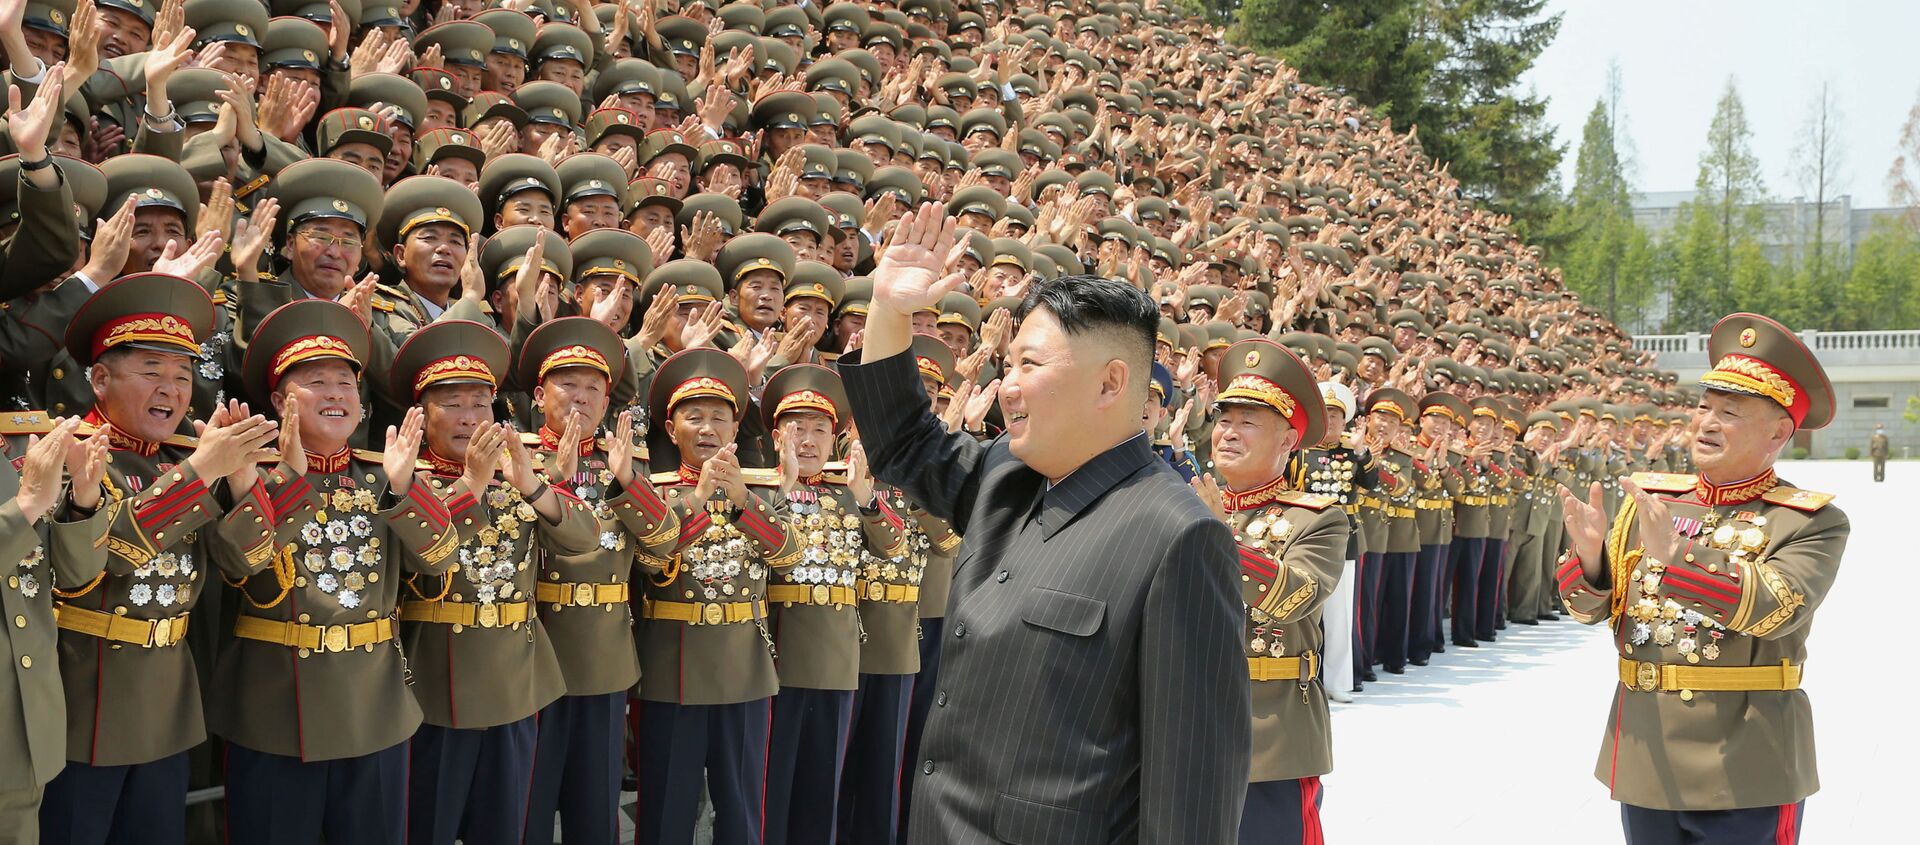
x: 1092, y: 687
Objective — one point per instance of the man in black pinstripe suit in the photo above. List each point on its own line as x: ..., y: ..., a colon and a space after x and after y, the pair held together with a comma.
x: 1092, y: 687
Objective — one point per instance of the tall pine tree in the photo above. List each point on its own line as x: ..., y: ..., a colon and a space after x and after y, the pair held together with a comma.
x: 1605, y: 254
x: 1717, y: 233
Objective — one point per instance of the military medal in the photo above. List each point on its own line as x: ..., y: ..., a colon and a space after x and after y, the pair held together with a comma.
x: 1687, y: 526
x: 1663, y: 635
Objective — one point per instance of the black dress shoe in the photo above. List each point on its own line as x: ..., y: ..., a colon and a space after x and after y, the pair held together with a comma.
x: 1417, y: 661
x: 1370, y: 676
x: 1466, y: 643
x: 1527, y: 621
x: 1397, y: 670
x: 1500, y: 627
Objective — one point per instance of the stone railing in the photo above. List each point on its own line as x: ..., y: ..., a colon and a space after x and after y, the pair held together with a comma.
x: 1900, y: 347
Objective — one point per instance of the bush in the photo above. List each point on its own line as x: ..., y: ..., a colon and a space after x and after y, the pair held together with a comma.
x: 1853, y: 453
x: 1799, y: 453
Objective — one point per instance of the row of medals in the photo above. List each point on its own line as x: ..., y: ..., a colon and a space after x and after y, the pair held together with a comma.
x: 1665, y: 622
x: 345, y: 515
x: 1268, y: 530
x: 720, y: 555
x: 1335, y: 479
x: 833, y: 540
x: 487, y: 560
x: 26, y: 576
x: 910, y: 567
x: 166, y: 594
x: 590, y: 486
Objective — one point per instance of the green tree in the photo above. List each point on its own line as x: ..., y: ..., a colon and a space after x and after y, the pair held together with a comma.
x: 1450, y: 67
x: 1882, y: 286
x: 1607, y: 257
x: 1715, y: 228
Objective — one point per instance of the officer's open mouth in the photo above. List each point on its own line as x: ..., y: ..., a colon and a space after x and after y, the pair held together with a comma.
x: 334, y: 413
x: 442, y: 264
x: 161, y: 412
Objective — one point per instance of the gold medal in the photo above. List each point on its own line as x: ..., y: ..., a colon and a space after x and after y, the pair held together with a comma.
x: 1723, y: 536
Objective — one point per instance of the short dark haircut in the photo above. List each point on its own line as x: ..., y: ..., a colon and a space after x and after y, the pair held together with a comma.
x: 1087, y: 304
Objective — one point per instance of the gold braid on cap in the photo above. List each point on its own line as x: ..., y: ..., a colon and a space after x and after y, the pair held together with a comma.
x: 1250, y: 386
x: 577, y: 355
x: 1752, y: 376
x: 806, y: 400
x: 701, y: 386
x: 449, y: 369
x: 308, y: 349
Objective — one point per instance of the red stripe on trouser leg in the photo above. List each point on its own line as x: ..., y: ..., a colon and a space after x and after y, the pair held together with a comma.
x: 1787, y: 831
x: 1310, y: 832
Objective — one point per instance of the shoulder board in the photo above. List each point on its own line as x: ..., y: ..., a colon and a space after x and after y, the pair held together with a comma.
x: 834, y: 466
x: 829, y: 357
x: 219, y: 297
x: 606, y: 445
x: 1800, y: 500
x: 1310, y: 501
x: 383, y: 304
x: 181, y: 440
x: 836, y: 478
x: 761, y: 477
x: 1665, y: 482
x: 26, y: 422
x: 530, y: 438
x: 370, y: 456
x: 669, y: 477
x: 390, y: 291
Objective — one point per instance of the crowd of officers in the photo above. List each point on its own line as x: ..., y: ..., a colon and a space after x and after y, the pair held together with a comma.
x: 443, y: 394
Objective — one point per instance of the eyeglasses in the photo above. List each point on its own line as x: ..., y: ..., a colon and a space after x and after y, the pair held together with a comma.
x: 322, y: 239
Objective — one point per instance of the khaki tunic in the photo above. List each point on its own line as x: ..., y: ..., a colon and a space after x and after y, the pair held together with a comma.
x: 892, y: 589
x: 815, y: 607
x: 1400, y: 485
x: 1754, y: 567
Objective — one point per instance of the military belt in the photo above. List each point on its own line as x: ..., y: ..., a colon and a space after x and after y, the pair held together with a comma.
x: 579, y: 594
x: 1667, y: 677
x: 1502, y: 501
x: 1432, y: 504
x: 310, y: 638
x: 821, y: 594
x: 467, y: 614
x: 1400, y: 513
x: 146, y: 633
x: 704, y: 612
x: 1371, y: 502
x: 883, y: 592
x: 1471, y: 501
x: 1283, y: 668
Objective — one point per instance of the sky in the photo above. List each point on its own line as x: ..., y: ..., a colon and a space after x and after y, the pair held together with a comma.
x: 1675, y: 57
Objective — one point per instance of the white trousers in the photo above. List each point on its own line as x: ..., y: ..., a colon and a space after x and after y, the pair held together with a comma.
x: 1336, y: 620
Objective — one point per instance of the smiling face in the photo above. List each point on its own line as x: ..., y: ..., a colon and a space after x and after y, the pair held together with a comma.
x: 328, y: 394
x: 152, y: 228
x: 1738, y: 436
x: 1251, y: 445
x: 322, y: 269
x: 589, y: 213
x: 453, y: 413
x: 1058, y: 387
x: 577, y: 392
x: 430, y: 258
x: 811, y: 434
x: 145, y: 394
x: 701, y: 427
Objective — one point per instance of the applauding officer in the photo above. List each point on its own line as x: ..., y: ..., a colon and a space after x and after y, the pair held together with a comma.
x: 133, y: 695
x: 482, y: 664
x: 311, y: 694
x: 1710, y: 583
x: 1293, y: 546
x: 583, y: 598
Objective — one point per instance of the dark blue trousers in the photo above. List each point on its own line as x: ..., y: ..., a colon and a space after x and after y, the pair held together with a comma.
x: 870, y: 793
x: 807, y: 755
x: 1282, y: 812
x: 1469, y: 553
x: 1752, y: 826
x: 1492, y: 599
x: 143, y: 803
x: 1423, y: 626
x: 1396, y: 608
x: 274, y: 799
x: 471, y: 783
x: 576, y: 770
x: 1371, y: 594
x: 678, y: 743
x: 924, y: 685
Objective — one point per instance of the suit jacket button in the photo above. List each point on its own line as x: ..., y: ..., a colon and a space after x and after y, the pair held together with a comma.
x: 941, y: 698
x: 959, y: 630
x: 1003, y: 576
x: 926, y: 768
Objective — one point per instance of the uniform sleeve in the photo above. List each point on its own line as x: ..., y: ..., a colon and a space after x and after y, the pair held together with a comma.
x: 907, y: 445
x: 1295, y: 586
x: 885, y: 531
x: 17, y: 537
x: 78, y: 551
x: 244, y: 540
x: 646, y: 516
x: 422, y: 525
x: 765, y: 523
x: 575, y: 532
x: 1195, y: 719
x: 466, y: 514
x: 158, y: 517
x: 1586, y: 601
x: 47, y: 242
x: 1773, y: 595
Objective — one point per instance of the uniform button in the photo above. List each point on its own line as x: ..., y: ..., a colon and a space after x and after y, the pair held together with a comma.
x: 59, y: 373
x: 959, y: 630
x: 941, y: 698
x: 26, y: 662
x: 1003, y: 576
x: 925, y: 768
x: 19, y: 621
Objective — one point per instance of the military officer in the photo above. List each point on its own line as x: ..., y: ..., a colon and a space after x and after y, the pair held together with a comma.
x: 1341, y: 467
x: 1474, y: 552
x: 1710, y: 583
x: 1164, y: 430
x: 51, y: 536
x: 482, y: 663
x: 584, y: 599
x: 705, y: 648
x: 1293, y: 546
x: 815, y: 621
x: 1442, y: 417
x: 1390, y: 417
x: 311, y: 693
x: 1527, y: 597
x: 428, y: 224
x: 181, y: 506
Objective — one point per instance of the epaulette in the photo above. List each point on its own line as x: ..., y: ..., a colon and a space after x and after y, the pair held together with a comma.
x: 1800, y: 500
x: 1664, y: 482
x: 370, y: 456
x: 668, y: 477
x: 639, y: 451
x: 834, y: 466
x: 1302, y: 499
x: 219, y: 297
x: 26, y: 422
x: 838, y: 478
x: 761, y: 477
x: 383, y: 304
x: 530, y: 438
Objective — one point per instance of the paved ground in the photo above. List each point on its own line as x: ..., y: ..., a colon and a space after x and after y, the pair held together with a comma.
x: 1498, y: 743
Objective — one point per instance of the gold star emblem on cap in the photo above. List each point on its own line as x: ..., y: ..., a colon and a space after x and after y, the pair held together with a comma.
x: 308, y: 54
x: 593, y: 183
x: 620, y: 118
x: 242, y: 29
x: 441, y: 210
x: 1748, y: 338
x: 1253, y: 357
x: 819, y: 288
x: 457, y: 138
x: 514, y: 43
x: 155, y: 193
x: 339, y: 205
x: 366, y: 122
x: 58, y: 17
x: 619, y: 265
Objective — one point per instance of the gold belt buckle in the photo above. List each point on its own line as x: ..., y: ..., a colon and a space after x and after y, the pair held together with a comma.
x: 334, y: 639
x: 821, y: 595
x: 163, y: 635
x: 877, y: 591
x: 713, y: 614
x: 1646, y: 677
x: 488, y: 616
x: 583, y: 595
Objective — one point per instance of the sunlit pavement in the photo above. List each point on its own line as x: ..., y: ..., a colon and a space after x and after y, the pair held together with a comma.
x: 1498, y: 743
